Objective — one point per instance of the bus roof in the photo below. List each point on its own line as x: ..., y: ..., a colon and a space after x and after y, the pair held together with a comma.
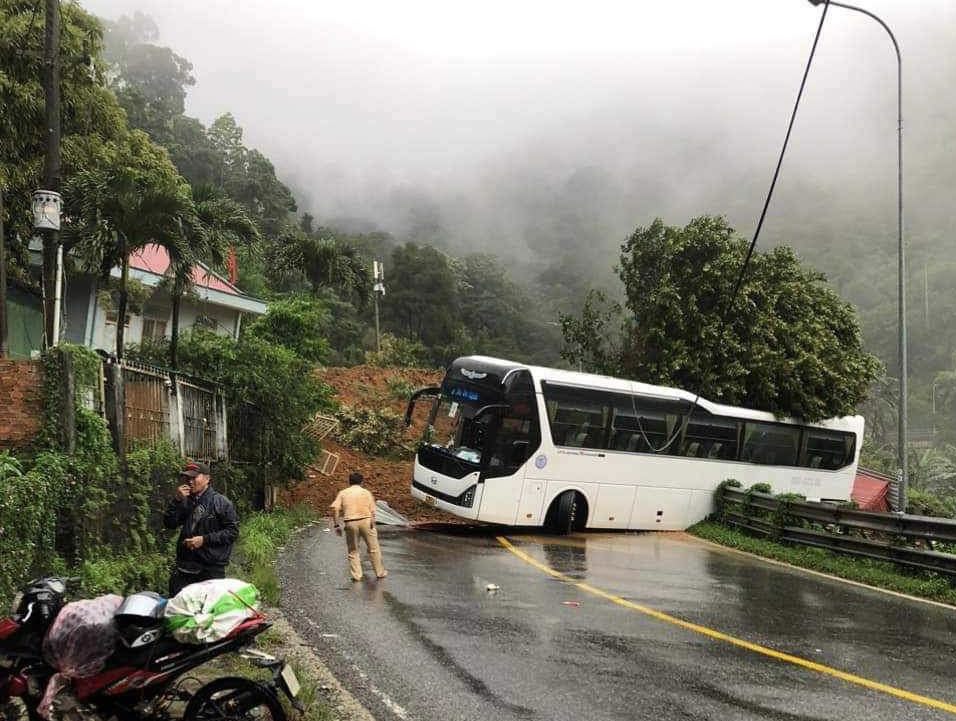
x: 620, y: 385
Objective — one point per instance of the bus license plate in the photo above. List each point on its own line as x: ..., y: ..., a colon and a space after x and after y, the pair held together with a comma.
x: 431, y: 500
x: 291, y: 681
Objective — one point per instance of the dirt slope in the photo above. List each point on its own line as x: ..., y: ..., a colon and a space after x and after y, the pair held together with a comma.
x: 388, y: 479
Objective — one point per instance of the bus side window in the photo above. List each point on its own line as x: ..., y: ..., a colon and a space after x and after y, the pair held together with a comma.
x: 828, y: 450
x: 578, y: 419
x: 771, y: 444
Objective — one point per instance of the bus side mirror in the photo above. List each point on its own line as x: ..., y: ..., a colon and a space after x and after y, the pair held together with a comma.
x: 413, y: 399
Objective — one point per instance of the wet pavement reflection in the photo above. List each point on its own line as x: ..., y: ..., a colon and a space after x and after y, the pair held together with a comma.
x: 433, y: 642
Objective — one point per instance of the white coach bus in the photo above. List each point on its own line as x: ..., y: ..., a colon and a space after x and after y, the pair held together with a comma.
x: 526, y: 446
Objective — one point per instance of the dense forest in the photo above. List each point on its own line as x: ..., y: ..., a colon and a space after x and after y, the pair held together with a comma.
x: 510, y: 299
x: 505, y: 269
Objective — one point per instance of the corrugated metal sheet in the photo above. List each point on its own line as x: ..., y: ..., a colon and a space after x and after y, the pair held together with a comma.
x: 24, y: 322
x: 871, y: 490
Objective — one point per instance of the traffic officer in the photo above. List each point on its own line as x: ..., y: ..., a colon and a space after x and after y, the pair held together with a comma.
x: 356, y: 505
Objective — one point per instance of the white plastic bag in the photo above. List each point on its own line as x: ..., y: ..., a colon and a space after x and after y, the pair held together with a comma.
x: 208, y: 611
x: 78, y: 643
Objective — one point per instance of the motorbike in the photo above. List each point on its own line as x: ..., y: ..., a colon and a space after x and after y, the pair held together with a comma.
x: 145, y: 678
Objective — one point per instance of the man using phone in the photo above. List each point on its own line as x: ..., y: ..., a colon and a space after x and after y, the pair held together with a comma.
x: 208, y: 527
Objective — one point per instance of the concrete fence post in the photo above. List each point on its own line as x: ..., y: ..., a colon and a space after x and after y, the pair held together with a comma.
x: 175, y: 413
x: 177, y: 427
x: 222, y: 435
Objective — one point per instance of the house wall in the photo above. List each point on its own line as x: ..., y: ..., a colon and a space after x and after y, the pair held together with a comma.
x: 24, y: 323
x: 224, y: 319
x: 21, y: 405
x: 159, y: 307
x: 77, y: 308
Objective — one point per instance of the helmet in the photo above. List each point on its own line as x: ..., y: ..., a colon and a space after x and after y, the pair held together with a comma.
x: 40, y: 601
x: 140, y: 619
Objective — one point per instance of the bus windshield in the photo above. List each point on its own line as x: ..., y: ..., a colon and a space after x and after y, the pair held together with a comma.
x: 456, y: 430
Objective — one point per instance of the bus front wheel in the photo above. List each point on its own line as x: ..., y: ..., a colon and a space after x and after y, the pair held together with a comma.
x: 568, y: 513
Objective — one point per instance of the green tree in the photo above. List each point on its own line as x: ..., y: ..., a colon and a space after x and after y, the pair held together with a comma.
x: 498, y: 314
x: 249, y: 177
x: 217, y: 225
x: 298, y: 324
x: 422, y: 298
x: 149, y: 80
x: 91, y: 120
x: 594, y: 341
x: 274, y: 380
x: 136, y: 200
x: 790, y: 345
x: 330, y: 263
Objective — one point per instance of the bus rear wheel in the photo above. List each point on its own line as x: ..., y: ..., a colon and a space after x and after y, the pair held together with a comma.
x: 568, y: 513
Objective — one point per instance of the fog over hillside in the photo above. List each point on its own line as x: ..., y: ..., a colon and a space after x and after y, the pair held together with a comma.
x: 549, y: 131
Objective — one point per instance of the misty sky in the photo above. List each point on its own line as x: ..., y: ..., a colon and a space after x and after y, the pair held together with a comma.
x: 676, y: 108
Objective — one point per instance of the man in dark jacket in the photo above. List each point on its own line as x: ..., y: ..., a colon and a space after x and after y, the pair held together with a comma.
x: 208, y: 527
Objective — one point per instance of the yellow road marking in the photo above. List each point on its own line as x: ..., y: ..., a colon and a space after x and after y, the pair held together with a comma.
x: 733, y: 640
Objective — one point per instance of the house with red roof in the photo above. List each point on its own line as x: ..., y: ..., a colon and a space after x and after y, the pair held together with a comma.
x: 214, y: 302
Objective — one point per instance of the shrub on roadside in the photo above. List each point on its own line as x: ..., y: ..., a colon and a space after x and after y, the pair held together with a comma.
x: 124, y: 573
x: 375, y: 432
x: 399, y: 388
x: 921, y: 503
x: 299, y: 324
x: 277, y: 382
x: 261, y: 535
x: 28, y: 516
x: 397, y: 353
x: 875, y: 573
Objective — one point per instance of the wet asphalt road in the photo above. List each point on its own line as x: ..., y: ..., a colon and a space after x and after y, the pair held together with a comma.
x: 431, y: 643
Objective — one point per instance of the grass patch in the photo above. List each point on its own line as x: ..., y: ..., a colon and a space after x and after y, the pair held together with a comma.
x: 863, y: 570
x: 261, y: 535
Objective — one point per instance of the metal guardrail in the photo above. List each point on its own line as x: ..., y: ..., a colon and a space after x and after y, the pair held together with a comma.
x: 898, y: 538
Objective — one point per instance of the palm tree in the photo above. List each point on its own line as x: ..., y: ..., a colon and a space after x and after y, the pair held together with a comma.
x: 934, y: 470
x: 218, y: 224
x: 329, y: 262
x: 136, y: 200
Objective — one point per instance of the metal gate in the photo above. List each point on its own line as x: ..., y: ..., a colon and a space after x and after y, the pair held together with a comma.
x: 145, y: 404
x: 198, y: 406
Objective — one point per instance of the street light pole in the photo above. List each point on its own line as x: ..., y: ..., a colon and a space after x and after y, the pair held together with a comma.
x: 902, y: 473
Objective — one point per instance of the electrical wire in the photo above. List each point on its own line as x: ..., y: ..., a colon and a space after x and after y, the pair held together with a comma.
x: 729, y: 305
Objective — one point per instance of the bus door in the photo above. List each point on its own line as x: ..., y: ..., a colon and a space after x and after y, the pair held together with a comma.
x: 514, y: 438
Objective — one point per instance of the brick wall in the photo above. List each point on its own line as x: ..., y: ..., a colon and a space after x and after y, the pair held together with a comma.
x: 21, y: 406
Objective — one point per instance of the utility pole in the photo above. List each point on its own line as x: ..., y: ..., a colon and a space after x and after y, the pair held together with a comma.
x: 378, y: 275
x: 51, y: 167
x: 926, y: 292
x: 3, y: 284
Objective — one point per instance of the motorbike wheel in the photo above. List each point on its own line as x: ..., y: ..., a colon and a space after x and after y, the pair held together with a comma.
x: 234, y: 699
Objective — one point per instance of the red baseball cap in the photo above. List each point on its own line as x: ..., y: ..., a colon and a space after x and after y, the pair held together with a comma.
x: 191, y: 470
